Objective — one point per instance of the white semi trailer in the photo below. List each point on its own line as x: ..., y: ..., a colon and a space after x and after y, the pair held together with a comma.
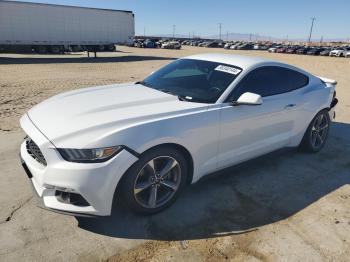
x: 45, y: 28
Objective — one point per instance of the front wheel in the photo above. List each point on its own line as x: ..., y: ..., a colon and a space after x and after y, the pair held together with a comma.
x: 316, y: 135
x: 154, y: 182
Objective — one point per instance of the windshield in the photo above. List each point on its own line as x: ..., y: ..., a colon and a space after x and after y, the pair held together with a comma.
x: 193, y: 80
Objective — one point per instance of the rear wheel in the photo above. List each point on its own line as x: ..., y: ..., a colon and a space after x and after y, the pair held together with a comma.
x: 316, y: 135
x: 110, y: 48
x: 55, y: 49
x: 155, y: 181
x: 42, y: 49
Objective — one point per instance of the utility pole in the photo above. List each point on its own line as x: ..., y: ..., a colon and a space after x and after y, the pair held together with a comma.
x: 174, y: 26
x: 227, y: 36
x: 144, y: 32
x: 312, y: 26
x: 220, y: 25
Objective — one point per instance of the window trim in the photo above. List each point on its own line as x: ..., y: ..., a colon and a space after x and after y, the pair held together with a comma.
x: 227, y: 100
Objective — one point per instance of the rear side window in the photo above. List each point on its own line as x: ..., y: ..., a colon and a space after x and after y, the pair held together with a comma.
x: 269, y: 81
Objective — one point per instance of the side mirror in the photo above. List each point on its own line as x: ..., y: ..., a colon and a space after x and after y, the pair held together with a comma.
x: 248, y: 99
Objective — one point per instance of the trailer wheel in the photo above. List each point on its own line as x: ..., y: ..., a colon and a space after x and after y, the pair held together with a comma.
x: 110, y: 48
x: 55, y: 49
x: 76, y: 48
x: 41, y: 49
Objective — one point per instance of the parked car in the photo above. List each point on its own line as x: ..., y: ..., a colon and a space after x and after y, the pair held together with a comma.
x: 347, y: 54
x: 171, y: 45
x: 325, y: 52
x: 245, y: 46
x: 264, y: 47
x: 212, y: 44
x: 256, y: 47
x: 228, y: 45
x: 314, y: 51
x: 221, y: 44
x: 338, y: 52
x: 142, y: 143
x: 235, y: 46
x: 281, y: 49
x: 260, y: 47
x: 138, y: 43
x: 203, y: 44
x: 272, y: 49
x: 292, y: 49
x: 302, y: 50
x: 149, y: 44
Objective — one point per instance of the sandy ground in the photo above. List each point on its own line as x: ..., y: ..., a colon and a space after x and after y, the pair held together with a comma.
x: 287, y: 206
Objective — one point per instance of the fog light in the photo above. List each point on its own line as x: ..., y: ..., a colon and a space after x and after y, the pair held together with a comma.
x: 71, y: 198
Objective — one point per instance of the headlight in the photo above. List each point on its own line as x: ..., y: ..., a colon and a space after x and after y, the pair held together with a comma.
x: 94, y: 155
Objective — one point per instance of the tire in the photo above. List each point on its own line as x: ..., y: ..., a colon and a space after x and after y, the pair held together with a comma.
x: 140, y: 181
x: 110, y: 48
x: 55, y: 49
x: 42, y: 49
x: 316, y: 134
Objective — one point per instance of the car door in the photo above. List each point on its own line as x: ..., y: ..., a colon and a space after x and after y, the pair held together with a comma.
x: 247, y: 131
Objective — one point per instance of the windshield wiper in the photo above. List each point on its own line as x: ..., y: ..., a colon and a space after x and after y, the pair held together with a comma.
x: 184, y: 98
x: 180, y: 97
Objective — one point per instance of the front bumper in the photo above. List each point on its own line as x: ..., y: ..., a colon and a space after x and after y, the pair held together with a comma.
x: 40, y: 201
x: 94, y: 182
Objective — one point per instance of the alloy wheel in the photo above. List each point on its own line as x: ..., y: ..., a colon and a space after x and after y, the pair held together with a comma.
x: 157, y: 182
x: 319, y: 131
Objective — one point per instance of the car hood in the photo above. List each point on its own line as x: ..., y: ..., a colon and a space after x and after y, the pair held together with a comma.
x: 90, y: 113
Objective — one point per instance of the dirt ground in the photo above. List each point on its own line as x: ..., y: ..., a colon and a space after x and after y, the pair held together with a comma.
x: 286, y: 206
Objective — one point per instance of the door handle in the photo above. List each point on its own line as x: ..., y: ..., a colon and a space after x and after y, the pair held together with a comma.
x: 290, y: 106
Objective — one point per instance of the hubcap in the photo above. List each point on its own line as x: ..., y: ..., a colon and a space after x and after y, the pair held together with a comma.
x: 157, y: 182
x: 319, y: 131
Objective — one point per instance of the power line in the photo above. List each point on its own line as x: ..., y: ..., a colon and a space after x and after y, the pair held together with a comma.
x: 312, y: 26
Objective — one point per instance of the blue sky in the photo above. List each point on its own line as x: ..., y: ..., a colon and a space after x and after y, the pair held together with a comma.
x: 276, y: 18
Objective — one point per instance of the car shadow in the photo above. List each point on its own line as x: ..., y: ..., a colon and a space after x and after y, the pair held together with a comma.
x: 58, y: 60
x: 241, y: 198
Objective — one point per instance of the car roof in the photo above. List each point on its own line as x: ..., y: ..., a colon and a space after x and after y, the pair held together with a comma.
x: 244, y: 62
x: 241, y: 61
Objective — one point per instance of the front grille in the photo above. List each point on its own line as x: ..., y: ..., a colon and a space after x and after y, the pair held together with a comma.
x: 35, y: 151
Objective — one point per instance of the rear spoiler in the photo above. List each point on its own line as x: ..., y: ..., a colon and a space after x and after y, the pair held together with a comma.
x: 327, y: 80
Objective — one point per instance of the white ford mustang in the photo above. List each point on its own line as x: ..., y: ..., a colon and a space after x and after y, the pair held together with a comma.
x: 144, y: 142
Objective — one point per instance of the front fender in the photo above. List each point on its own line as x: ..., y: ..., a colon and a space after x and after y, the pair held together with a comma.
x: 198, y: 133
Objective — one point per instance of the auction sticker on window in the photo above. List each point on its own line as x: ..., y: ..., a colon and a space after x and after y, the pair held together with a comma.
x: 228, y: 69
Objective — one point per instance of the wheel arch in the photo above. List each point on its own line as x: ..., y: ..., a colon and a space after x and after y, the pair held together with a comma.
x: 184, y: 151
x: 176, y: 146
